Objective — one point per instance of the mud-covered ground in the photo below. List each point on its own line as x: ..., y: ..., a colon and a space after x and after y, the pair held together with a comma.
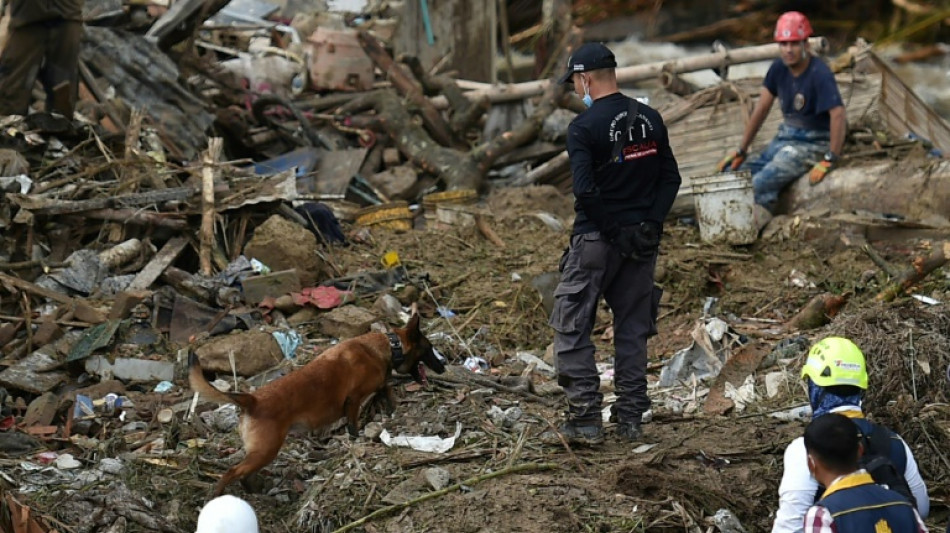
x: 689, y: 465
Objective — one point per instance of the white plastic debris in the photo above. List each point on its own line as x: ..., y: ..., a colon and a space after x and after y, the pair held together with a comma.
x: 742, y: 395
x: 422, y: 443
x: 66, y: 462
x: 717, y: 328
x: 925, y: 299
x: 540, y: 366
x: 795, y: 413
x: 774, y: 382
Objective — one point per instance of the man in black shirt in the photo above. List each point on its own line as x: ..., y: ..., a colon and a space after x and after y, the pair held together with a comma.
x: 625, y: 181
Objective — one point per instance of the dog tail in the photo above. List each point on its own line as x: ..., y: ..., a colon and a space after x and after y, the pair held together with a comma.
x: 199, y: 384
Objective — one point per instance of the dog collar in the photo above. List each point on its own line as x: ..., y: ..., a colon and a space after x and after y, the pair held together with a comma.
x: 396, y: 345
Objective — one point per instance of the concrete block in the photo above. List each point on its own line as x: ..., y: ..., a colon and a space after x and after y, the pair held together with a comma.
x: 274, y: 284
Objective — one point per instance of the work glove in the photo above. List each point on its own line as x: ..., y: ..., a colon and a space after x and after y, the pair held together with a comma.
x: 732, y: 161
x: 639, y: 242
x: 819, y: 171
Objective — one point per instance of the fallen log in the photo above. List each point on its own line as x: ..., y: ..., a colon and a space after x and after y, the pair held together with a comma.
x: 465, y: 112
x: 408, y: 88
x: 817, y: 312
x: 921, y: 267
x: 647, y: 71
x: 459, y: 170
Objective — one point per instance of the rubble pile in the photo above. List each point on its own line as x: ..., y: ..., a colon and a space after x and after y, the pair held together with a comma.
x: 253, y: 182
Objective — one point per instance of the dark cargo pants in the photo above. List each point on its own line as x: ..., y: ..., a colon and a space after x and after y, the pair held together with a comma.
x: 48, y: 51
x: 594, y: 268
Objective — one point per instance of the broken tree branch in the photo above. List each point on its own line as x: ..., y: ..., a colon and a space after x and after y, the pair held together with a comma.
x: 465, y: 112
x: 647, y: 71
x: 407, y: 87
x: 880, y: 261
x: 817, y: 312
x: 921, y: 267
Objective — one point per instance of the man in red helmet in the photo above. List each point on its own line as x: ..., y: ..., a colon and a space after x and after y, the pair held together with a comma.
x: 814, y: 125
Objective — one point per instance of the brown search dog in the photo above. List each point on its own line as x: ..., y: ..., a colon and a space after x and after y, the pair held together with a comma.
x: 335, y: 384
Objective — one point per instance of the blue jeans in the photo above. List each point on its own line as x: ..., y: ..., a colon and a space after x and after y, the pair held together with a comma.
x: 790, y: 154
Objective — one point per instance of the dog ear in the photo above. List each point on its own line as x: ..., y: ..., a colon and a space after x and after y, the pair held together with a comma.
x: 412, y: 328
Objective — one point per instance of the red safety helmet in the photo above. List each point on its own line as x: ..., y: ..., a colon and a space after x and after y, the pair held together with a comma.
x: 792, y: 26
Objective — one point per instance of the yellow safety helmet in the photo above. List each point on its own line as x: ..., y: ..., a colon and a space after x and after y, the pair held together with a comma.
x: 836, y: 361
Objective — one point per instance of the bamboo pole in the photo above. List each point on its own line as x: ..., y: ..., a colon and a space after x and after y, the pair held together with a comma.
x: 519, y: 91
x: 207, y: 204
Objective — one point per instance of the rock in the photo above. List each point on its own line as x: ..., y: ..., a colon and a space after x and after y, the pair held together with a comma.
x: 16, y: 443
x: 111, y: 466
x: 405, y: 491
x: 395, y: 182
x: 346, y: 322
x: 727, y: 522
x: 34, y: 373
x: 47, y: 332
x: 388, y: 306
x: 437, y: 478
x: 373, y: 430
x: 540, y: 367
x: 254, y: 351
x: 257, y: 288
x: 283, y: 245
x: 42, y: 410
x: 224, y: 418
x: 67, y: 462
x: 305, y: 315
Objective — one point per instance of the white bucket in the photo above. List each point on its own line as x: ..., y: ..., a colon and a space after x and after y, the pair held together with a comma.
x: 725, y: 207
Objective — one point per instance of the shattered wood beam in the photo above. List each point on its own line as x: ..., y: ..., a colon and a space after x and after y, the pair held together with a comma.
x: 647, y: 71
x: 551, y: 168
x: 921, y: 267
x: 460, y: 170
x: 407, y: 87
x: 211, y: 157
x: 525, y: 132
x: 817, y: 312
x: 53, y: 206
x: 90, y: 81
x: 457, y: 169
x: 165, y: 257
x: 465, y: 112
x: 135, y: 216
x: 35, y: 289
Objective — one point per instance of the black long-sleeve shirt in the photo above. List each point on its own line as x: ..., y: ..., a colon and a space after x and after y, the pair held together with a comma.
x: 641, y: 186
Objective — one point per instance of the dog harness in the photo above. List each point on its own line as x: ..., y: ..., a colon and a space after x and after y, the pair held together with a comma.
x: 396, y: 345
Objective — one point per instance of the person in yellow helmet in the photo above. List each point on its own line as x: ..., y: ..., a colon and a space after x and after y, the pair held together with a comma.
x: 836, y: 375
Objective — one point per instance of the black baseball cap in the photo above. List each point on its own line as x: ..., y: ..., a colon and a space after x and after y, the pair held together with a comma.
x: 589, y: 56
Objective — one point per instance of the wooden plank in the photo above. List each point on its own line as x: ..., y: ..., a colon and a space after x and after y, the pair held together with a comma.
x: 47, y: 206
x: 905, y: 112
x: 158, y: 264
x: 464, y: 34
x: 35, y: 289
